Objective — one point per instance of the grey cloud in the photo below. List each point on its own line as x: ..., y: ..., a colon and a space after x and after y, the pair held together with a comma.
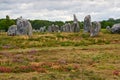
x: 60, y: 9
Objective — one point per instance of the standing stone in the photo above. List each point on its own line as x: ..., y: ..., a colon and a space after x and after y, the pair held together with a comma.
x: 75, y: 26
x: 95, y: 28
x: 24, y: 27
x: 49, y: 28
x: 63, y: 28
x: 87, y: 23
x: 68, y: 27
x: 108, y: 28
x: 75, y: 18
x: 12, y: 30
x: 53, y: 28
x: 115, y: 28
x: 43, y: 29
x: 34, y: 30
x: 72, y: 28
x: 56, y: 28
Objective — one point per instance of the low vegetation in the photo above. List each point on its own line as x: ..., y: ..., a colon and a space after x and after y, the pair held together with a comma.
x: 60, y: 56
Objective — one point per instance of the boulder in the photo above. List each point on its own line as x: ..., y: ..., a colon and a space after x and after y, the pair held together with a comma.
x: 87, y: 23
x: 115, y: 28
x: 24, y: 27
x: 12, y: 30
x: 95, y: 28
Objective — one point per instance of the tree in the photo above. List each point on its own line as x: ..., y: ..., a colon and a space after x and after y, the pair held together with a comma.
x: 5, y: 23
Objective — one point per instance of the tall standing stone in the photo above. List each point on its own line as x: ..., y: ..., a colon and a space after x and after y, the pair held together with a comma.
x: 75, y: 26
x: 24, y: 27
x: 95, y: 28
x: 87, y: 23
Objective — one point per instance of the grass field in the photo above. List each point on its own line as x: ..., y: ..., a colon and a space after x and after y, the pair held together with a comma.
x: 60, y: 56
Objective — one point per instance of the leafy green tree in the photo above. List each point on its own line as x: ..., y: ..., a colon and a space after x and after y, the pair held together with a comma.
x: 110, y: 22
x: 59, y: 23
x: 5, y: 23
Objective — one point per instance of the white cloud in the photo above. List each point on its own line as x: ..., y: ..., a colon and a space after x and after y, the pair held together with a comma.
x: 60, y: 9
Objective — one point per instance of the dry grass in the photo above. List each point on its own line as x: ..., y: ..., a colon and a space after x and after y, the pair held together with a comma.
x: 60, y: 56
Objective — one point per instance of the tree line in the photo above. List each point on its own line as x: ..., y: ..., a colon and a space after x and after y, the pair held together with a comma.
x: 36, y: 24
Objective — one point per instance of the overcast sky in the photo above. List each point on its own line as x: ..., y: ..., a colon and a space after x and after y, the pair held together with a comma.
x: 60, y: 9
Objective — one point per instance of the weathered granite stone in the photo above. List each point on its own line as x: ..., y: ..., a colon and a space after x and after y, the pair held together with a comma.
x: 34, y: 30
x: 75, y: 26
x: 69, y: 27
x: 43, y: 29
x: 56, y: 28
x: 24, y: 27
x: 66, y: 27
x: 115, y: 28
x: 72, y: 27
x: 49, y: 29
x: 108, y: 28
x: 12, y: 30
x: 63, y: 28
x: 53, y: 28
x: 75, y: 18
x: 95, y: 28
x: 87, y: 23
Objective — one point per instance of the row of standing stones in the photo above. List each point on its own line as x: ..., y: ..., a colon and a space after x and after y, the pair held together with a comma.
x: 23, y: 27
x: 74, y: 27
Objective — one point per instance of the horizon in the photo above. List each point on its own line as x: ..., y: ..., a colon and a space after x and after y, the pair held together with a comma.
x: 52, y: 11
x: 57, y: 20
